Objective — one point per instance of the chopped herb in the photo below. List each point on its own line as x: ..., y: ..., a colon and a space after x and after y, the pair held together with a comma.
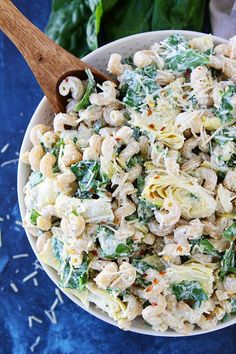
x: 57, y: 248
x: 145, y: 211
x: 35, y: 178
x: 230, y: 232
x: 34, y: 216
x: 233, y: 305
x: 189, y: 291
x: 206, y: 246
x: 224, y: 112
x: 228, y: 261
x: 89, y: 178
x: 74, y: 278
x: 91, y: 87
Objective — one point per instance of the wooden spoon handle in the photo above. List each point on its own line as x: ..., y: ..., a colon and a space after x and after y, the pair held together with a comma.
x: 48, y: 61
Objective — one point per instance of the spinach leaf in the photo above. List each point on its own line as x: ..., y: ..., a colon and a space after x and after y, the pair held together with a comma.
x: 143, y: 264
x: 145, y: 211
x: 230, y: 232
x: 57, y: 248
x: 188, y: 59
x: 74, y: 24
x: 89, y: 178
x: 128, y: 17
x: 189, y: 291
x: 206, y: 246
x: 233, y: 305
x: 142, y: 282
x: 225, y: 110
x: 91, y: 87
x: 140, y: 182
x: 34, y: 216
x: 174, y: 14
x: 75, y: 278
x: 35, y: 178
x: 139, y: 83
x: 228, y: 261
x: 135, y: 160
x: 111, y: 247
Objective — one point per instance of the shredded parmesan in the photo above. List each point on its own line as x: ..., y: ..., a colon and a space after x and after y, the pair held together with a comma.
x: 122, y: 182
x: 58, y: 294
x: 0, y: 238
x: 217, y: 131
x: 1, y: 219
x: 33, y: 318
x: 8, y: 217
x: 37, y: 265
x: 22, y: 255
x: 5, y: 163
x: 14, y: 287
x: 34, y: 345
x: 18, y: 222
x: 4, y: 148
x: 35, y: 282
x: 30, y: 276
x: 54, y: 305
x: 51, y: 315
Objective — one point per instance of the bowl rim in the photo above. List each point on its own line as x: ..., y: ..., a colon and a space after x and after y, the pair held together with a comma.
x: 20, y: 194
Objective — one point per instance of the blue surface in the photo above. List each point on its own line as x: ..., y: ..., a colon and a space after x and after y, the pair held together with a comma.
x: 76, y: 331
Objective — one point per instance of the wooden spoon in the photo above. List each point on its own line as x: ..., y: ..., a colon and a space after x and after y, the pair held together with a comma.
x: 49, y: 62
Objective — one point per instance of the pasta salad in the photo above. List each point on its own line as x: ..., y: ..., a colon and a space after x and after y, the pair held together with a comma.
x: 131, y: 194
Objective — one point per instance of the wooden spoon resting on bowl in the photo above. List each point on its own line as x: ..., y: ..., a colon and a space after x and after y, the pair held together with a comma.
x: 49, y: 62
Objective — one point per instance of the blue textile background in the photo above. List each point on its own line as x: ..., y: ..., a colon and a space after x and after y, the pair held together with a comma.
x: 76, y: 331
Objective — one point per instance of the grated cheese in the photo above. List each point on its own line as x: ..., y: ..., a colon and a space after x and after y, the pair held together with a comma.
x: 51, y: 315
x: 5, y: 163
x: 18, y: 222
x: 122, y: 182
x: 30, y: 276
x: 54, y: 305
x: 33, y: 318
x: 1, y: 219
x: 0, y: 238
x: 58, y: 294
x: 4, y: 148
x: 8, y: 217
x: 35, y: 282
x: 22, y: 255
x: 34, y: 345
x: 14, y: 287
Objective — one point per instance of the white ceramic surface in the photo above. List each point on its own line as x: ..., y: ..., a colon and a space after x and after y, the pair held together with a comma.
x: 43, y: 114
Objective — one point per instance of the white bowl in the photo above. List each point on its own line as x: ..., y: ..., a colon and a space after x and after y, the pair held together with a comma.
x: 43, y: 114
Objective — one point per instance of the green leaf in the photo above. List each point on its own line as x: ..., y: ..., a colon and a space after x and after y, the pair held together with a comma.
x: 225, y: 109
x: 230, y: 232
x: 142, y: 282
x: 93, y: 25
x: 228, y: 261
x: 135, y: 160
x: 34, y: 216
x: 75, y: 278
x: 128, y: 17
x: 111, y: 248
x: 91, y: 87
x: 145, y: 211
x: 35, y: 178
x: 189, y: 291
x: 89, y: 178
x: 188, y: 59
x: 143, y: 264
x: 57, y: 248
x: 206, y: 246
x: 233, y: 305
x: 67, y: 25
x: 174, y: 14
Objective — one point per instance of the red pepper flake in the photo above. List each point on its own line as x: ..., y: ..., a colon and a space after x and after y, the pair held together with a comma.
x: 118, y: 139
x: 162, y: 272
x: 149, y: 112
x: 155, y: 281
x: 92, y: 190
x: 157, y: 177
x: 151, y: 126
x: 94, y: 253
x: 142, y: 252
x: 163, y: 128
x: 154, y: 303
x: 144, y: 274
x: 149, y: 288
